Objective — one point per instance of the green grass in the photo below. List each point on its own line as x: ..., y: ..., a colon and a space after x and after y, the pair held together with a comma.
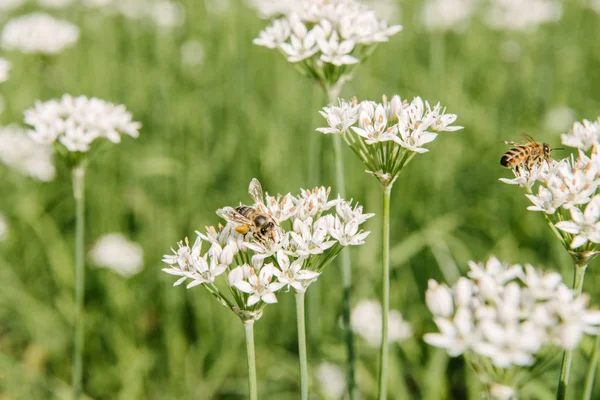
x: 246, y: 113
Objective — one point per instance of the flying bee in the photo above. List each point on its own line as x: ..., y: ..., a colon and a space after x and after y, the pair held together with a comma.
x: 526, y: 155
x: 254, y: 218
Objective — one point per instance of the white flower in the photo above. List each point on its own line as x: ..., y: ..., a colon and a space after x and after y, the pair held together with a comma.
x: 523, y: 15
x: 457, y: 335
x: 365, y: 320
x: 445, y: 15
x: 292, y: 275
x: 192, y: 53
x: 4, y: 69
x: 19, y: 151
x: 348, y: 234
x: 575, y: 319
x: 303, y: 43
x: 282, y: 208
x: 310, y: 239
x: 275, y: 8
x: 332, y: 381
x: 55, y: 3
x: 258, y: 286
x: 167, y: 14
x: 189, y: 263
x: 584, y: 225
x: 336, y: 51
x: 349, y: 214
x: 115, y: 252
x: 340, y: 118
x: 559, y: 119
x: 76, y: 122
x: 503, y: 392
x: 545, y: 201
x: 274, y: 35
x: 439, y: 299
x: 3, y: 227
x: 38, y: 33
x: 583, y: 136
x: 528, y: 177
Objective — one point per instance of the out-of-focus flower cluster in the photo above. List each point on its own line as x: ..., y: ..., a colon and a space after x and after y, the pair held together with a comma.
x: 115, y: 252
x: 76, y: 122
x: 38, y: 33
x: 311, y: 231
x: 508, y: 314
x: 163, y: 13
x: 567, y: 190
x: 324, y: 37
x: 387, y: 135
x: 366, y: 322
x: 19, y: 151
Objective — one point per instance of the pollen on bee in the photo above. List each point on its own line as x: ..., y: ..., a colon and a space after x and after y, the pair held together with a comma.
x: 242, y: 229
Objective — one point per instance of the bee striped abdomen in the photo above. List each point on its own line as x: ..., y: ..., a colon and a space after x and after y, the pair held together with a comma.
x: 244, y: 210
x: 515, y: 156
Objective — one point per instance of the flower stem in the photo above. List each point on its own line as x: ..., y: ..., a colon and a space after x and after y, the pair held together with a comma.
x: 565, y: 368
x: 591, y: 373
x: 332, y: 94
x: 78, y: 176
x: 249, y: 328
x: 302, y: 346
x: 385, y: 304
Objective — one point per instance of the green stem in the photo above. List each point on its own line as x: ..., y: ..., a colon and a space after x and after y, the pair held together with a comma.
x: 249, y: 328
x: 385, y: 304
x: 302, y: 346
x: 332, y: 94
x: 78, y: 176
x: 565, y: 368
x: 591, y: 373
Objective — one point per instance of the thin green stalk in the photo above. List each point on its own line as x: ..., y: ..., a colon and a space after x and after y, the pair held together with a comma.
x: 385, y: 303
x: 249, y: 328
x: 591, y: 373
x: 332, y: 95
x: 565, y: 368
x: 302, y: 346
x: 78, y: 176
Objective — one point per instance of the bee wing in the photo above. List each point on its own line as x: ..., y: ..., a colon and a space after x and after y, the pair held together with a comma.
x: 509, y: 143
x: 255, y: 191
x: 527, y: 137
x: 229, y: 214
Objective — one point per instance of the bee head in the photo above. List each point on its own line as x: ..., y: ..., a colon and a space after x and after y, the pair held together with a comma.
x: 547, y: 150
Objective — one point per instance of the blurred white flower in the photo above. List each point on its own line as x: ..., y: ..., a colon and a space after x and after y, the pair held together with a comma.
x: 509, y: 316
x: 439, y: 299
x: 365, y: 320
x: 167, y: 14
x: 444, y: 15
x: 38, y: 33
x: 331, y: 380
x: 7, y: 5
x: 55, y: 3
x: 19, y: 151
x: 559, y: 119
x: 584, y: 225
x: 502, y: 392
x: 275, y: 8
x: 522, y: 15
x: 4, y: 69
x: 583, y: 136
x: 3, y: 227
x: 594, y: 5
x: 192, y: 53
x: 115, y: 252
x: 76, y: 122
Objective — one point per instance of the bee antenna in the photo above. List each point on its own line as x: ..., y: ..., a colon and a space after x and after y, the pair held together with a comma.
x: 558, y: 148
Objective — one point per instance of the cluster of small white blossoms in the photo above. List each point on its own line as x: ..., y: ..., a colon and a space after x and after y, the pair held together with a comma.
x: 521, y: 15
x: 567, y: 190
x: 163, y: 13
x: 508, y: 314
x: 115, y: 252
x: 38, y: 33
x: 445, y: 15
x: 366, y: 322
x: 311, y: 231
x: 331, y: 380
x: 387, y: 135
x: 320, y: 32
x: 19, y: 151
x: 76, y: 122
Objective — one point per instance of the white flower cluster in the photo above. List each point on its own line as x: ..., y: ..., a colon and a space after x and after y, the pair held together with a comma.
x: 19, y: 151
x: 366, y: 322
x: 567, y: 190
x: 76, y: 122
x: 369, y: 128
x: 38, y: 33
x: 445, y: 15
x: 311, y: 231
x: 521, y: 15
x: 331, y: 380
x: 318, y: 32
x: 508, y: 314
x: 115, y: 252
x: 163, y: 13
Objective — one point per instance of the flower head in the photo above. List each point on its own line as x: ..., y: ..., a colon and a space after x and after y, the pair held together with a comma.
x: 76, y: 122
x: 115, y: 252
x: 366, y: 322
x: 38, y: 33
x: 583, y: 135
x: 19, y: 151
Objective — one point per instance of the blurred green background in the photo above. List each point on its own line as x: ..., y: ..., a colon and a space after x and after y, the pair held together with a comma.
x: 244, y: 113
